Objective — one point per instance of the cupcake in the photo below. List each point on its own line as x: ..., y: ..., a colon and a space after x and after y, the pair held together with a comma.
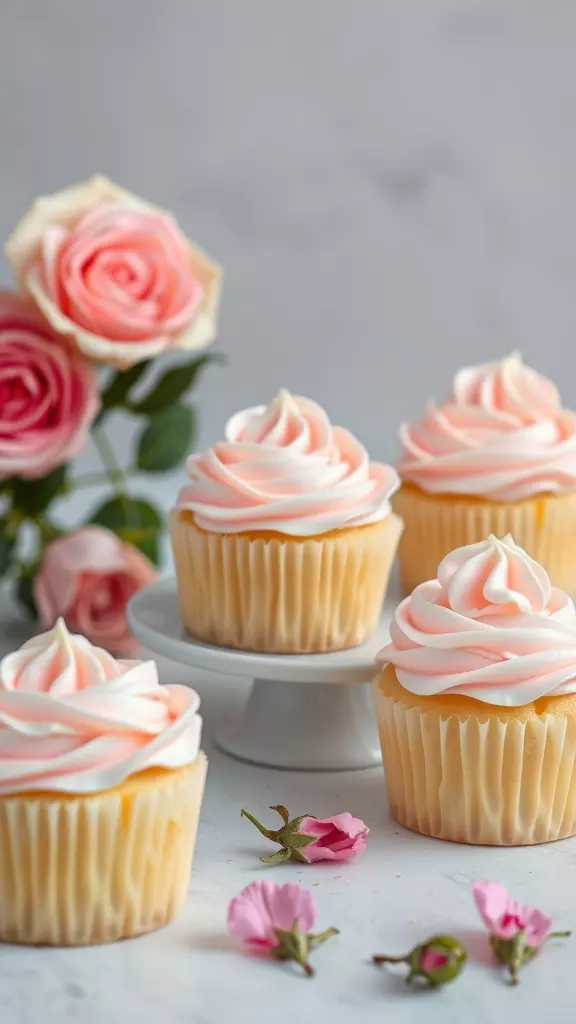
x: 284, y: 538
x: 476, y: 702
x: 498, y: 457
x: 101, y: 781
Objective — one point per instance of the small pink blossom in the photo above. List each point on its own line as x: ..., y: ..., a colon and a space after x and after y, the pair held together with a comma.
x: 504, y: 917
x: 338, y: 838
x: 517, y: 931
x: 262, y: 907
x: 277, y: 919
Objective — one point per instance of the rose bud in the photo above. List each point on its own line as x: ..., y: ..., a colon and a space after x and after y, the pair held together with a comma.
x: 437, y: 961
x: 307, y: 839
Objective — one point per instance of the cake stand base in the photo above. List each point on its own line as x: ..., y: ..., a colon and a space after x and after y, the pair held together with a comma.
x: 306, y: 726
x: 308, y: 712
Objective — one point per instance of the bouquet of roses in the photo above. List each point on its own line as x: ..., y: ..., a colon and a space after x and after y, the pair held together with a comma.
x: 106, y: 284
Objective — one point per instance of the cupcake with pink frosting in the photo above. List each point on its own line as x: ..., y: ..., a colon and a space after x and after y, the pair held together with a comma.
x: 498, y: 457
x: 284, y: 537
x: 476, y: 702
x: 101, y: 782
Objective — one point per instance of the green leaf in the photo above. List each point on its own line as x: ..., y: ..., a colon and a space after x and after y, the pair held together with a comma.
x: 297, y: 856
x: 166, y: 440
x: 24, y: 591
x: 173, y: 385
x: 6, y: 545
x: 116, y: 392
x: 316, y: 940
x: 298, y: 842
x: 276, y: 858
x: 135, y: 521
x: 34, y: 496
x: 293, y: 827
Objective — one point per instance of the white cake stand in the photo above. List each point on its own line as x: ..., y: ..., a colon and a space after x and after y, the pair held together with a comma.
x: 304, y: 711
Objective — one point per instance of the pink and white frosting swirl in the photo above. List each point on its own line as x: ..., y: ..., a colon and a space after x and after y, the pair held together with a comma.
x: 75, y: 720
x: 490, y: 627
x: 503, y: 434
x: 284, y: 467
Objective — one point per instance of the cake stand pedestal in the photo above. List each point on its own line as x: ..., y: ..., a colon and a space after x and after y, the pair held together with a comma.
x: 309, y: 711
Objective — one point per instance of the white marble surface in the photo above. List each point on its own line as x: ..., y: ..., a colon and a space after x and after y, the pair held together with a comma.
x: 401, y: 890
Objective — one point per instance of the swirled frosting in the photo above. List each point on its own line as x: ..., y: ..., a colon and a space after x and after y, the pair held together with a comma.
x: 284, y: 467
x: 75, y: 720
x: 502, y: 434
x: 490, y: 627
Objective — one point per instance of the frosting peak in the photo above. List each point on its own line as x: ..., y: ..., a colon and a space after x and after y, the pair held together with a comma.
x: 510, y: 388
x: 502, y: 434
x: 491, y: 626
x: 284, y: 467
x: 75, y: 720
x: 494, y: 577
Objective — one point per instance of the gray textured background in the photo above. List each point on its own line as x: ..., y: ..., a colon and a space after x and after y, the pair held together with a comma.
x: 390, y: 185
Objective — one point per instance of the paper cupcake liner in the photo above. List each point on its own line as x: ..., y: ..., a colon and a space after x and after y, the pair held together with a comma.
x: 90, y: 869
x: 486, y: 780
x: 437, y: 524
x: 268, y: 593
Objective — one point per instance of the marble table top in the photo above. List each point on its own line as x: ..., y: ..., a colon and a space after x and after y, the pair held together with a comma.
x: 402, y: 889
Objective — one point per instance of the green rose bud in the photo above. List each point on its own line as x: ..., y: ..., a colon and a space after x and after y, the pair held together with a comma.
x: 437, y: 961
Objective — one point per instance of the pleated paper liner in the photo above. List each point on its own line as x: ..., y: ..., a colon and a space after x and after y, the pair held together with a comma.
x: 78, y: 870
x: 435, y: 524
x: 464, y: 771
x: 271, y: 593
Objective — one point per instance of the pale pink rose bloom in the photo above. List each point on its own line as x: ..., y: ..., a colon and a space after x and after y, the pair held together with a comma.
x: 115, y: 274
x: 87, y: 578
x: 504, y: 917
x: 48, y: 393
x: 255, y: 913
x: 339, y: 837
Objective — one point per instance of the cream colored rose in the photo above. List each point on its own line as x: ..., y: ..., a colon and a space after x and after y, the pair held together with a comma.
x: 115, y: 274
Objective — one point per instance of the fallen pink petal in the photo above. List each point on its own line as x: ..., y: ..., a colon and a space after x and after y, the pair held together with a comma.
x: 262, y: 907
x: 277, y: 919
x: 517, y: 930
x: 504, y: 917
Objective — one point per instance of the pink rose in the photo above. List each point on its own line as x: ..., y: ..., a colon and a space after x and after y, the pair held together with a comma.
x: 337, y: 838
x: 115, y: 274
x: 88, y: 577
x: 307, y: 839
x: 48, y: 393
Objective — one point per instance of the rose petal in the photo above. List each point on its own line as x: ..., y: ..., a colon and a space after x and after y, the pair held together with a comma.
x: 263, y: 906
x: 491, y: 899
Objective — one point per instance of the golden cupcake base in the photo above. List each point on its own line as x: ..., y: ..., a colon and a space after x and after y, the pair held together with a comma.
x: 435, y: 524
x: 81, y: 870
x: 461, y: 770
x: 271, y: 593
